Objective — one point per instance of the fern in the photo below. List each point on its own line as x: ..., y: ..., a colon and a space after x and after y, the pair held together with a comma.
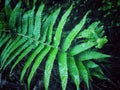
x: 41, y: 39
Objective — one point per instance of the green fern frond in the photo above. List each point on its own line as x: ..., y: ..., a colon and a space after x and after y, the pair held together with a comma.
x: 43, y: 41
x: 74, y: 73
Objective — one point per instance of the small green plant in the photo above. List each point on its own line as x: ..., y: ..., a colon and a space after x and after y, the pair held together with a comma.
x: 25, y: 32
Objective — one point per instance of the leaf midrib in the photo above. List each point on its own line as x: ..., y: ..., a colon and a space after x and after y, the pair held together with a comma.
x: 33, y: 39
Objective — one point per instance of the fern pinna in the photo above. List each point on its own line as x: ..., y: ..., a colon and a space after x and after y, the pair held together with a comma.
x: 25, y: 32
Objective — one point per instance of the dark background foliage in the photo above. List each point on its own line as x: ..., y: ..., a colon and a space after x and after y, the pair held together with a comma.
x: 108, y: 12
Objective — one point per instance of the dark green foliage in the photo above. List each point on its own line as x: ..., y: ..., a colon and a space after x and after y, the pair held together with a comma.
x: 41, y: 39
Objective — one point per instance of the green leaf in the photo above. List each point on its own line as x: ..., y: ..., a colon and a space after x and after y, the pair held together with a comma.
x: 3, y: 54
x: 19, y: 51
x: 52, y: 18
x: 34, y: 2
x: 81, y: 47
x: 73, y: 70
x: 101, y: 42
x: 88, y: 55
x: 18, y: 23
x: 31, y: 21
x: 89, y: 73
x: 17, y: 42
x: 2, y: 36
x: 100, y: 31
x: 13, y: 15
x: 39, y: 36
x: 25, y: 23
x: 37, y: 28
x: 48, y: 67
x: 30, y: 59
x: 67, y: 42
x: 8, y: 8
x: 98, y: 69
x: 97, y: 72
x: 4, y: 39
x: 63, y: 70
x: 90, y: 64
x: 52, y: 55
x: 99, y: 75
x: 2, y: 22
x: 23, y: 54
x: 37, y: 63
x: 83, y: 73
x: 45, y: 28
x: 89, y: 32
x: 61, y: 24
